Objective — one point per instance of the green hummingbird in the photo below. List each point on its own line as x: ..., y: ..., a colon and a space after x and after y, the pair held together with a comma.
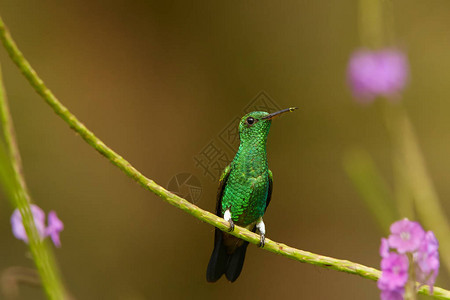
x: 245, y: 189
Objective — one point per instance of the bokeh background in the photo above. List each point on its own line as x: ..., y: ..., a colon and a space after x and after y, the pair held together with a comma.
x: 157, y: 81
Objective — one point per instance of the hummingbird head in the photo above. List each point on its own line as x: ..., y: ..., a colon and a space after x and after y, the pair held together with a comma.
x: 256, y: 125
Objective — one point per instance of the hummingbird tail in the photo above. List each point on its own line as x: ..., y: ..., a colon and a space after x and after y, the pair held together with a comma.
x: 236, y: 262
x: 223, y: 263
x: 219, y: 259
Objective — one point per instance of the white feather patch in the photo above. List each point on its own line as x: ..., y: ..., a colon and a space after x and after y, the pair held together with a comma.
x: 261, y: 227
x: 227, y: 215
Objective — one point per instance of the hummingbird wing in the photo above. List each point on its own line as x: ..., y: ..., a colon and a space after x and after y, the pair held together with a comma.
x: 269, y: 192
x: 218, y: 262
x: 222, y: 183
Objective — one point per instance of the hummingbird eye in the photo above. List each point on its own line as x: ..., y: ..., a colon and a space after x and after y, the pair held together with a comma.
x: 250, y: 121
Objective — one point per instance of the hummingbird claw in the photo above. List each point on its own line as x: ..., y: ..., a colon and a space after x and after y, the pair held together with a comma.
x: 262, y: 241
x: 231, y: 226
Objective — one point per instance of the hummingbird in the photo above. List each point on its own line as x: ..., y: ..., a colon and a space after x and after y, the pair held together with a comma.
x: 245, y: 190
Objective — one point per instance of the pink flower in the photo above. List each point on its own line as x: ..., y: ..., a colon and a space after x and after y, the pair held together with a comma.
x: 373, y: 73
x: 392, y: 295
x: 17, y: 225
x: 427, y: 258
x: 408, y: 246
x: 394, y: 272
x: 406, y: 236
x: 384, y: 248
x: 55, y: 225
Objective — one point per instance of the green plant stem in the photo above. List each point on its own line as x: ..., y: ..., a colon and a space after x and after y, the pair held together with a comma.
x: 13, y: 182
x: 367, y: 179
x: 9, y: 132
x: 370, y: 19
x: 414, y: 180
x: 390, y: 113
x: 410, y: 286
x: 203, y: 215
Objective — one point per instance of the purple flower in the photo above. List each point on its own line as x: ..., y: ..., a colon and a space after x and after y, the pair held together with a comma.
x: 392, y: 295
x: 408, y: 249
x: 17, y: 225
x: 394, y: 272
x: 406, y: 236
x: 384, y: 248
x: 427, y: 258
x: 55, y: 225
x: 377, y: 73
x: 430, y: 244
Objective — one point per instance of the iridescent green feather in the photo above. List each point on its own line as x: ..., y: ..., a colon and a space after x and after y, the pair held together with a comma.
x: 246, y: 181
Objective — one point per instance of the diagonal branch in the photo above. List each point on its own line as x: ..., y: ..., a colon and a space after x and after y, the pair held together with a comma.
x: 203, y: 215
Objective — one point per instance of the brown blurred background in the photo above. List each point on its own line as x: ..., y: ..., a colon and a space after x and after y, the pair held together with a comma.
x: 157, y: 81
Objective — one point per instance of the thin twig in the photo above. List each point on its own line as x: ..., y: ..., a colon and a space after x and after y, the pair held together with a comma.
x: 127, y: 168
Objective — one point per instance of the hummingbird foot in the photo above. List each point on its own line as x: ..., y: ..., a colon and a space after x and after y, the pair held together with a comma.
x: 227, y: 217
x: 262, y: 241
x: 231, y: 226
x: 262, y: 231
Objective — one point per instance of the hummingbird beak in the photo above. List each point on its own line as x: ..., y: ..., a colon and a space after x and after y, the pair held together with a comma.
x: 276, y: 114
